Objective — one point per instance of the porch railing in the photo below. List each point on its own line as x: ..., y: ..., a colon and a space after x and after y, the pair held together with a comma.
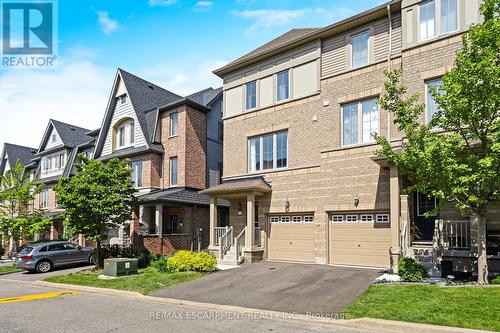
x: 454, y: 234
x: 257, y: 236
x: 219, y: 231
x: 225, y: 242
x: 239, y: 244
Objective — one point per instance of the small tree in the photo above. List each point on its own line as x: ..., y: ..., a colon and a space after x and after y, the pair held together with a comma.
x: 462, y: 164
x: 17, y: 193
x: 100, y: 195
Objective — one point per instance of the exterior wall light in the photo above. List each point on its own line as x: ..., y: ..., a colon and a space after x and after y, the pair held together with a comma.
x: 287, y: 205
x: 240, y: 210
x: 356, y: 200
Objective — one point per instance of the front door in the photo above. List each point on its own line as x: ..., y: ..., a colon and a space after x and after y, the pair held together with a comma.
x: 424, y: 225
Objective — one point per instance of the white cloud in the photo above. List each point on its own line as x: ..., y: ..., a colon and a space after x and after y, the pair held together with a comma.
x: 203, y: 6
x: 75, y: 92
x: 266, y: 18
x: 108, y: 25
x: 164, y: 3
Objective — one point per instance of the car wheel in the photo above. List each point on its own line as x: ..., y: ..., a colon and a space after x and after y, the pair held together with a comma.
x: 43, y: 266
x: 92, y: 259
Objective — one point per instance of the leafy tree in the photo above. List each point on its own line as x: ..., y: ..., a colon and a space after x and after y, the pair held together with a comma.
x: 17, y: 220
x: 99, y: 196
x: 461, y: 164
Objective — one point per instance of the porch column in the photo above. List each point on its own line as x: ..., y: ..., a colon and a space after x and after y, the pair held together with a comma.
x: 159, y: 219
x: 213, y: 220
x: 249, y: 235
x: 395, y: 250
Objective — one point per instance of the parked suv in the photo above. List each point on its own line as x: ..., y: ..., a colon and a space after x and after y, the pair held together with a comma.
x: 42, y: 257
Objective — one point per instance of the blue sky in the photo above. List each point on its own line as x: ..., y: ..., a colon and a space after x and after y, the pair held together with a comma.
x: 174, y: 43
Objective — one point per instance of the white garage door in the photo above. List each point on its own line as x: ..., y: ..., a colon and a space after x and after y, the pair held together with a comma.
x: 360, y: 240
x: 291, y: 237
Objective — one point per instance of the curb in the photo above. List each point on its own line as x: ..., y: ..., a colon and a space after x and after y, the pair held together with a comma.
x: 16, y: 271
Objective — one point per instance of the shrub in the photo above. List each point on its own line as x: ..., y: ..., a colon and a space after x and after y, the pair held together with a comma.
x: 495, y: 280
x: 411, y: 270
x: 115, y: 251
x: 2, y: 251
x: 161, y: 265
x: 183, y: 261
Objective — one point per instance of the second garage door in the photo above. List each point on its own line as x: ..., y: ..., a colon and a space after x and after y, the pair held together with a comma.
x: 360, y: 240
x: 291, y: 238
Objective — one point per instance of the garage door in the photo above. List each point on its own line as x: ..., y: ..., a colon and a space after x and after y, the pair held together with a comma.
x: 360, y: 240
x: 291, y: 237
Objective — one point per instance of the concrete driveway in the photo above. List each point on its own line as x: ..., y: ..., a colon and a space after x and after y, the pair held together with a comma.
x: 33, y: 276
x: 287, y: 287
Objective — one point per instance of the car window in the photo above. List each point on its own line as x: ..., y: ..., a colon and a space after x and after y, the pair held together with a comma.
x: 26, y: 250
x: 71, y: 246
x: 56, y: 247
x: 43, y: 249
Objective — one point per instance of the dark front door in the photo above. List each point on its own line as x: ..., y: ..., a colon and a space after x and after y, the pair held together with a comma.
x: 424, y: 225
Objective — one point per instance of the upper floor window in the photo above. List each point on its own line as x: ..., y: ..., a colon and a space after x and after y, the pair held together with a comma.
x: 448, y: 15
x: 360, y: 49
x: 54, y: 137
x: 430, y: 103
x: 427, y: 20
x: 360, y: 120
x: 174, y: 124
x: 122, y: 99
x: 220, y: 132
x: 173, y: 171
x: 282, y: 86
x: 251, y: 95
x: 136, y: 173
x: 125, y: 133
x: 44, y: 198
x: 54, y: 162
x: 267, y: 152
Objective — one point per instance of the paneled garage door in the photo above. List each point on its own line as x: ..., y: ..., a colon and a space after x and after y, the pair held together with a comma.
x: 360, y: 240
x: 291, y: 237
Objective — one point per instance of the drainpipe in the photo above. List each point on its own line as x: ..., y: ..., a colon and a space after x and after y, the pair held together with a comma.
x: 389, y: 54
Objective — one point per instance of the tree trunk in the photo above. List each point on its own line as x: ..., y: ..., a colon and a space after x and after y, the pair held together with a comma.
x: 479, y: 219
x: 98, y: 254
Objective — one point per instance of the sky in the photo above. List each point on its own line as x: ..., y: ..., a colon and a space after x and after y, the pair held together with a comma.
x: 173, y: 43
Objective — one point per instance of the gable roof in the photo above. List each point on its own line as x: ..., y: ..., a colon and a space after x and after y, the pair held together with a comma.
x: 205, y: 96
x: 16, y: 153
x: 71, y: 135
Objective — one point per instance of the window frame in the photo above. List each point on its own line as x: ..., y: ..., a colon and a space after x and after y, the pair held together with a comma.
x: 361, y: 216
x: 171, y: 173
x: 419, y: 30
x: 334, y: 216
x: 288, y: 90
x: 384, y: 216
x: 136, y: 174
x: 174, y: 120
x: 457, y: 7
x: 297, y: 219
x: 428, y: 95
x: 285, y: 219
x: 255, y: 106
x: 44, y: 198
x: 351, y: 215
x: 305, y: 219
x: 355, y: 35
x: 260, y: 157
x: 359, y: 105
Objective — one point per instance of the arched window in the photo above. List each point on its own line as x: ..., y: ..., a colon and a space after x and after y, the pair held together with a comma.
x: 124, y: 133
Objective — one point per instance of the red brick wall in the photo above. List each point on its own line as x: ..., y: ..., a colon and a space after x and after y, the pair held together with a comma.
x: 171, y: 243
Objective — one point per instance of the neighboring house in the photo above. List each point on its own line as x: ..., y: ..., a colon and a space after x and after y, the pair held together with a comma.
x: 11, y: 154
x: 175, y: 149
x: 55, y: 158
x: 299, y: 166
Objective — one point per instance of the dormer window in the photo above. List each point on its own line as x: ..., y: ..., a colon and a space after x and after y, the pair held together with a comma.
x: 125, y: 133
x: 54, y: 137
x: 122, y: 99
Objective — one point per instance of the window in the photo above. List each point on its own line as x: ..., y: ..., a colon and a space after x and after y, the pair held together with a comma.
x: 268, y: 152
x: 367, y: 218
x: 220, y: 170
x: 132, y: 132
x: 430, y: 102
x: 296, y: 219
x: 360, y: 49
x: 70, y: 246
x: 54, y: 137
x: 425, y: 204
x: 174, y: 124
x: 382, y: 218
x: 221, y: 131
x: 359, y: 121
x: 173, y: 171
x: 274, y: 219
x: 282, y: 86
x: 136, y: 174
x: 337, y: 218
x: 351, y: 218
x: 44, y: 198
x: 171, y: 224
x: 285, y: 219
x: 427, y: 20
x: 88, y: 153
x: 56, y: 247
x: 121, y: 136
x: 309, y: 219
x: 448, y: 16
x: 125, y: 134
x: 251, y: 95
x: 122, y: 99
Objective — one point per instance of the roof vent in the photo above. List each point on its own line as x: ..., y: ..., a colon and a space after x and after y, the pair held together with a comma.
x: 72, y: 129
x: 150, y: 86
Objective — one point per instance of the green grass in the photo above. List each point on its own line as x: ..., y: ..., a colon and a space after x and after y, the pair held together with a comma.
x: 147, y: 281
x: 469, y: 307
x: 8, y: 269
x: 495, y: 280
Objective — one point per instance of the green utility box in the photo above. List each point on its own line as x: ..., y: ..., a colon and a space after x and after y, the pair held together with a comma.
x: 120, y: 266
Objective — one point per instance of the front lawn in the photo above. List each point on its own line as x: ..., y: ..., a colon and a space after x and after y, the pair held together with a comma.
x: 147, y: 281
x: 8, y: 269
x: 469, y: 307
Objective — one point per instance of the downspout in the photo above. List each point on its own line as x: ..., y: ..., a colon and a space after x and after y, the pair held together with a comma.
x: 389, y: 55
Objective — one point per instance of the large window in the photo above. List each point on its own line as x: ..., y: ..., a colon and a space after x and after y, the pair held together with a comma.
x: 448, y: 15
x: 173, y: 171
x: 430, y: 102
x: 267, y: 152
x: 360, y: 49
x: 360, y: 121
x: 251, y: 95
x: 54, y: 162
x: 282, y: 86
x: 125, y: 133
x: 174, y: 124
x: 44, y: 198
x: 427, y: 20
x: 136, y: 174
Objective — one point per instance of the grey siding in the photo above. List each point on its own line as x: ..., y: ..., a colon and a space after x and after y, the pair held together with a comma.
x: 214, y: 146
x: 333, y: 55
x: 381, y: 38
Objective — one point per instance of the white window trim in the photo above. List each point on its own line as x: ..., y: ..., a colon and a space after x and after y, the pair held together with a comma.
x: 426, y: 84
x: 286, y: 217
x: 294, y: 217
x: 332, y: 218
x: 170, y: 172
x: 170, y: 135
x: 418, y: 204
x: 437, y: 21
x: 245, y: 96
x: 284, y: 100
x: 128, y: 126
x: 383, y: 215
x: 304, y: 218
x: 261, y: 152
x: 368, y: 58
x: 364, y: 215
x: 360, y: 123
x: 274, y: 219
x: 357, y: 218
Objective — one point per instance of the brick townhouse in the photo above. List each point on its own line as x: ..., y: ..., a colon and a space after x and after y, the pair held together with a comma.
x: 300, y: 171
x: 174, y: 145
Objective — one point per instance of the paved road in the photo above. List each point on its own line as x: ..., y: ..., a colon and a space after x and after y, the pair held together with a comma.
x: 33, y: 276
x: 92, y: 312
